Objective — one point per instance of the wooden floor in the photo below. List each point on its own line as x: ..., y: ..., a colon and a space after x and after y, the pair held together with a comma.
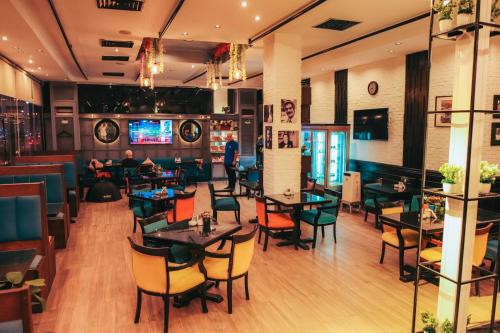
x: 334, y: 288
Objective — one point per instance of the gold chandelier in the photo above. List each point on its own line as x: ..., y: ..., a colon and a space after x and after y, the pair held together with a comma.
x: 237, y: 62
x: 151, y: 62
x: 214, y: 75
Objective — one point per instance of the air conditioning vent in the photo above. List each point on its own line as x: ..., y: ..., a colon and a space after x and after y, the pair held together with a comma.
x: 117, y: 43
x: 113, y: 74
x: 115, y: 58
x: 335, y: 24
x: 132, y: 5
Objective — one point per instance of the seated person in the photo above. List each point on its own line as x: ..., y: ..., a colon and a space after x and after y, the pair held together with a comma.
x: 148, y: 161
x: 128, y: 161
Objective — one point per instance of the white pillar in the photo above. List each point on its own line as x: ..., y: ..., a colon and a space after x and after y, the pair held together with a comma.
x: 282, y: 74
x: 464, y: 53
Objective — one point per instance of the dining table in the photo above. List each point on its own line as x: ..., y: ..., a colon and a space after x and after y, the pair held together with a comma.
x: 160, y: 199
x: 430, y: 226
x: 296, y: 202
x: 182, y: 233
x: 387, y: 190
x: 16, y: 261
x: 159, y: 179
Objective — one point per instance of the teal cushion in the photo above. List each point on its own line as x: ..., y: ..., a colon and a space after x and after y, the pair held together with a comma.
x: 21, y: 219
x: 491, y: 251
x: 155, y: 226
x: 371, y: 202
x: 308, y: 216
x: 180, y: 253
x: 148, y: 209
x: 8, y: 228
x: 54, y: 208
x: 53, y: 184
x: 226, y: 204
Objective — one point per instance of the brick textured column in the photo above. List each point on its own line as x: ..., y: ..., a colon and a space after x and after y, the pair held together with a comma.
x: 282, y: 74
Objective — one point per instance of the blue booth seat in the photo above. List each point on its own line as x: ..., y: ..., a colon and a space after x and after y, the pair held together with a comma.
x: 21, y: 218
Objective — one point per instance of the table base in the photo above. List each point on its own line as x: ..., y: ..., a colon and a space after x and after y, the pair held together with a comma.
x: 184, y: 300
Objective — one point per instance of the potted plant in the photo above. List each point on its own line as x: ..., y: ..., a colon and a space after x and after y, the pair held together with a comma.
x: 495, y: 11
x: 444, y: 9
x: 465, y: 11
x: 430, y: 322
x: 452, y: 178
x: 15, y: 280
x: 488, y: 173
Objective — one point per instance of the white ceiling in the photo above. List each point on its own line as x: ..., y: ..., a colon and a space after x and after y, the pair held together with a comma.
x: 30, y: 25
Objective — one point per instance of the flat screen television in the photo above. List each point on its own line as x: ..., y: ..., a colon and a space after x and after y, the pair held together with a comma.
x: 150, y: 132
x: 371, y: 124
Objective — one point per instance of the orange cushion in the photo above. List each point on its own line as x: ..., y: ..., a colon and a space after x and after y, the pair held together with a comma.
x: 278, y: 221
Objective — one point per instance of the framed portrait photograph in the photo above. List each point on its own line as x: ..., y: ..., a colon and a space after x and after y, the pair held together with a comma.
x: 495, y: 134
x: 106, y: 131
x: 288, y: 139
x: 443, y: 103
x: 496, y: 106
x: 289, y: 111
x: 268, y: 140
x: 268, y: 113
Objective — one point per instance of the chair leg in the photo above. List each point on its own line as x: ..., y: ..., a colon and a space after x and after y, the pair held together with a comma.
x: 217, y: 283
x: 366, y: 214
x: 214, y: 215
x: 138, y: 306
x: 237, y: 217
x: 203, y: 291
x: 314, y: 236
x: 135, y: 223
x: 166, y: 301
x: 377, y: 223
x: 260, y: 234
x: 382, y: 254
x: 230, y: 296
x: 335, y: 232
x: 247, y: 293
x: 323, y: 231
x: 401, y: 261
x: 266, y: 238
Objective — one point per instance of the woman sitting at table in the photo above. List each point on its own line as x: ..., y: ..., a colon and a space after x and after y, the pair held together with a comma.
x: 96, y: 167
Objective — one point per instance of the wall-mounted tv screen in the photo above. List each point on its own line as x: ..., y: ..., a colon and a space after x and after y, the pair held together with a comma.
x: 371, y: 124
x: 150, y: 132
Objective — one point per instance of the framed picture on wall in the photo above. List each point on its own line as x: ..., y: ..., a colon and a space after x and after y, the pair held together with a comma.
x: 288, y: 111
x: 496, y: 106
x: 495, y: 134
x: 106, y: 131
x: 269, y: 137
x: 288, y: 139
x: 443, y: 103
x: 268, y: 113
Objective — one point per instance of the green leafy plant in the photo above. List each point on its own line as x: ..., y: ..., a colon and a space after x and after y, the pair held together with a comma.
x: 452, y: 174
x: 495, y: 9
x: 446, y: 326
x: 430, y: 322
x: 488, y: 172
x: 465, y: 7
x: 444, y: 8
x: 15, y: 280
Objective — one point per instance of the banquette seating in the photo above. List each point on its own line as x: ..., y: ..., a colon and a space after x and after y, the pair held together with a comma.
x: 16, y: 310
x: 57, y: 207
x: 24, y: 226
x: 70, y: 163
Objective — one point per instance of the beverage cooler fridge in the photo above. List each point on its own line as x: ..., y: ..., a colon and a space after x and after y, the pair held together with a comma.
x: 328, y: 148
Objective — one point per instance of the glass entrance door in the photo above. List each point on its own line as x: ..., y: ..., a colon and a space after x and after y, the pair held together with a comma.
x: 337, y: 161
x: 318, y: 171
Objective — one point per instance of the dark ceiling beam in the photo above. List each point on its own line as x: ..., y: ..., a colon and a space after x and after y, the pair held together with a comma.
x: 66, y: 40
x: 19, y: 68
x: 194, y: 77
x: 171, y: 18
x: 286, y: 20
x: 371, y: 34
x: 248, y: 78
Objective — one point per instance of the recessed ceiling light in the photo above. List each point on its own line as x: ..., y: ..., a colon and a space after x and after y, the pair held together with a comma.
x: 5, y: 38
x: 185, y: 33
x: 39, y: 50
x: 244, y: 4
x: 398, y: 43
x: 47, y: 74
x: 30, y: 61
x: 192, y: 66
x: 390, y: 51
x: 116, y: 50
x: 257, y: 18
x: 217, y: 26
x: 39, y: 68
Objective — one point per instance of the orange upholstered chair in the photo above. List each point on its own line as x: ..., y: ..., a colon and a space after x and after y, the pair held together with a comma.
x: 276, y: 220
x: 183, y: 207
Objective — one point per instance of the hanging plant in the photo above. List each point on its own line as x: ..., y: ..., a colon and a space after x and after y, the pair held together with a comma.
x: 214, y: 76
x: 444, y: 8
x: 237, y: 62
x: 465, y: 7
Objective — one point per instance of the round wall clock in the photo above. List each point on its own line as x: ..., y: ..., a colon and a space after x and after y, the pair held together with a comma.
x: 106, y: 131
x: 373, y: 88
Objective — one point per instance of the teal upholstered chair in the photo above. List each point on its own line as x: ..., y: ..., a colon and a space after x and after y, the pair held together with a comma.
x: 322, y: 216
x: 180, y: 254
x: 414, y: 205
x: 224, y: 202
x: 491, y: 252
x: 140, y: 208
x: 181, y: 182
x: 371, y: 203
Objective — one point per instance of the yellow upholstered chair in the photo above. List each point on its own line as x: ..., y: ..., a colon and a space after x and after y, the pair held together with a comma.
x: 434, y: 254
x: 404, y: 239
x: 156, y: 276
x: 228, y: 266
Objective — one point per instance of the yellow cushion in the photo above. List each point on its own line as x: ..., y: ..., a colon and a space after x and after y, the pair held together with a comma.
x: 432, y: 253
x: 150, y: 275
x: 410, y: 237
x: 218, y: 268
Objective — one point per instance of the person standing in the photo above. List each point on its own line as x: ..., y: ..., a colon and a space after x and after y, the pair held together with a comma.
x: 230, y: 157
